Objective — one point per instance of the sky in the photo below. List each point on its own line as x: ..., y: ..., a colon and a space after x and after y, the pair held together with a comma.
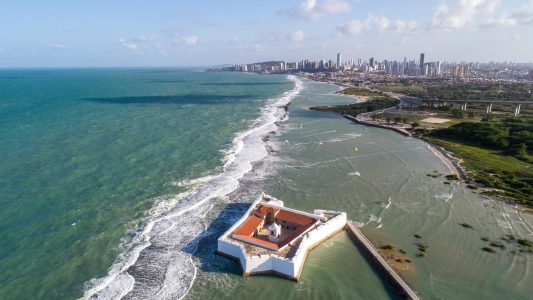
x: 130, y: 33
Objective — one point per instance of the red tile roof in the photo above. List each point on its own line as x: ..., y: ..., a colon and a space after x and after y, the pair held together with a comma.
x: 247, y: 228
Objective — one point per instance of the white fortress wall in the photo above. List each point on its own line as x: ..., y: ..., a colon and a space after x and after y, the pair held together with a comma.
x: 284, y: 266
x: 257, y: 264
x: 316, y: 236
x: 231, y: 248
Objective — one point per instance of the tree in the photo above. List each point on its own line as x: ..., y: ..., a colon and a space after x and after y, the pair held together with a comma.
x: 398, y: 119
x: 415, y: 124
x: 457, y: 113
x: 519, y: 150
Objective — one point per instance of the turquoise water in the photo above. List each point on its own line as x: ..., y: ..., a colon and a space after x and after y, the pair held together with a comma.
x: 89, y: 156
x: 117, y: 183
x: 384, y: 188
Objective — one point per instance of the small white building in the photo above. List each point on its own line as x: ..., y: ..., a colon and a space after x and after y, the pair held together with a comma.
x: 274, y: 232
x: 271, y: 238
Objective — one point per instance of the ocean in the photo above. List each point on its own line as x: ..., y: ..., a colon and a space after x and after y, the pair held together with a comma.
x: 96, y: 163
x: 116, y: 183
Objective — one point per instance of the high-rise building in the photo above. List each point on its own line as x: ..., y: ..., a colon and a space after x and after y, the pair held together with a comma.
x: 530, y: 75
x: 339, y: 60
x: 461, y: 70
x: 371, y: 62
x: 421, y: 63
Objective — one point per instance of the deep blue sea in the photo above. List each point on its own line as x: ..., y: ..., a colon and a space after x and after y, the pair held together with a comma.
x: 100, y: 165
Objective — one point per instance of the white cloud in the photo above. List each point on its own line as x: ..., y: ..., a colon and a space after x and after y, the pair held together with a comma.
x: 461, y: 14
x: 57, y: 46
x: 297, y: 36
x: 405, y: 26
x: 353, y: 27
x: 190, y: 39
x: 144, y: 39
x: 516, y: 37
x: 523, y: 16
x: 381, y: 24
x: 505, y: 20
x: 312, y: 9
x: 128, y: 44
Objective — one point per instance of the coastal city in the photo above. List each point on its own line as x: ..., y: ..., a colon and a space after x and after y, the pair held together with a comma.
x: 458, y: 108
x: 360, y: 69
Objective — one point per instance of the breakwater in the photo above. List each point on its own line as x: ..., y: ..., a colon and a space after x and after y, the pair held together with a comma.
x: 374, y: 124
x: 392, y: 277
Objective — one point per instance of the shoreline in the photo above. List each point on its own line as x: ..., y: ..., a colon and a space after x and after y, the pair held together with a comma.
x: 452, y: 163
x: 236, y: 164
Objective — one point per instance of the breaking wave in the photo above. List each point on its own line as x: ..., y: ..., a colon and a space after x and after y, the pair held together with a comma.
x: 157, y: 263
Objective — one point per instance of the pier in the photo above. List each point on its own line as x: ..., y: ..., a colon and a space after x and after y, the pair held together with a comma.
x: 394, y: 278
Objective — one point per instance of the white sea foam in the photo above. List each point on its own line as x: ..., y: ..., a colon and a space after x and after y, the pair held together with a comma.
x: 157, y: 262
x: 446, y: 197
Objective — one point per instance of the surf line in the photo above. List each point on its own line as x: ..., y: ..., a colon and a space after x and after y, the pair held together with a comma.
x: 238, y: 162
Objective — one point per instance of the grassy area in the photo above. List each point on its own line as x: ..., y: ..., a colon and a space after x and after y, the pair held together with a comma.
x: 493, y: 169
x: 358, y: 108
x: 510, y: 91
x: 402, y: 89
x: 356, y: 91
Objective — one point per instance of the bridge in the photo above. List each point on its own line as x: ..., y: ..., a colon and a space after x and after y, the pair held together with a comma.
x: 517, y: 104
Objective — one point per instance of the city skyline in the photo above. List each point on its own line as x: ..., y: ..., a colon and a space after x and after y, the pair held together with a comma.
x: 130, y: 33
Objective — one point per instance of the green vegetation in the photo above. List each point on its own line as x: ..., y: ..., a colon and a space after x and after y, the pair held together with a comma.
x: 496, y: 154
x: 524, y: 242
x: 513, y: 137
x: 356, y: 91
x: 452, y: 177
x: 510, y: 91
x: 387, y: 247
x: 417, y: 236
x: 358, y: 108
x: 402, y: 89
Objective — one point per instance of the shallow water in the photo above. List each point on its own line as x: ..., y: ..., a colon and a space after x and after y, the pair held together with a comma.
x: 383, y: 187
x: 117, y: 183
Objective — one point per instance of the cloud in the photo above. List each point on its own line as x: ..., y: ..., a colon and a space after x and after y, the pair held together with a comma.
x: 461, y: 14
x: 297, y: 36
x: 523, y: 16
x: 144, y: 39
x: 381, y: 24
x: 58, y: 46
x: 190, y: 39
x: 125, y: 44
x: 353, y: 27
x: 314, y: 9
